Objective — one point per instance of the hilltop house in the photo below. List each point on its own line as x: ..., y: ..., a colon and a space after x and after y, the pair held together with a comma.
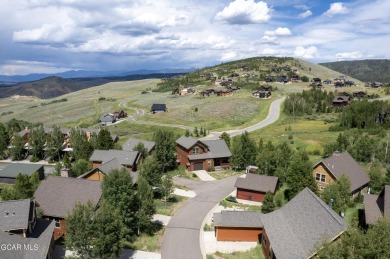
x: 56, y: 196
x: 341, y: 101
x: 119, y: 114
x: 261, y: 94
x: 332, y: 168
x: 194, y: 154
x: 129, y: 159
x: 9, y: 173
x: 20, y: 228
x: 158, y: 107
x: 254, y: 186
x: 294, y: 231
x: 107, y: 119
x: 377, y: 206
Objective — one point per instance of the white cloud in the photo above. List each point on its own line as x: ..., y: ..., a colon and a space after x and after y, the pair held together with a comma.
x: 305, y: 14
x: 269, y: 40
x: 301, y: 7
x: 337, y: 8
x: 228, y: 55
x: 245, y: 12
x: 22, y: 67
x: 281, y: 31
x: 349, y: 55
x: 309, y: 53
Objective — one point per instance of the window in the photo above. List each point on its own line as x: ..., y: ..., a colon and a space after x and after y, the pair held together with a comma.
x: 195, y: 150
x: 58, y: 224
x: 320, y: 177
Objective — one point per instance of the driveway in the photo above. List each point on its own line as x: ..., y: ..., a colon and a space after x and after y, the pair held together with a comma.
x: 182, y: 235
x: 273, y: 115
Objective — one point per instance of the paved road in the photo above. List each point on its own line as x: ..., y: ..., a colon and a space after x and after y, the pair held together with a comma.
x: 182, y: 235
x: 273, y: 115
x: 139, y: 112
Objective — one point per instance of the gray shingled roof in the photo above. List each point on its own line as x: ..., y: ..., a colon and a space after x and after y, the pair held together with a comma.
x: 216, y: 148
x: 257, y: 182
x: 57, y: 196
x: 41, y: 238
x: 342, y: 163
x: 12, y: 170
x: 15, y: 214
x: 186, y: 142
x: 296, y: 229
x: 377, y: 206
x: 249, y: 219
x: 124, y: 157
x: 132, y: 142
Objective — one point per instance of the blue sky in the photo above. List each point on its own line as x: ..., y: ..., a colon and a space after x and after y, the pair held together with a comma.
x: 47, y: 36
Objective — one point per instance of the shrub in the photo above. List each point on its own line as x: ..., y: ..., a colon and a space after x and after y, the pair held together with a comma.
x: 231, y: 199
x: 194, y: 175
x: 210, y: 169
x: 102, y: 98
x: 144, y: 92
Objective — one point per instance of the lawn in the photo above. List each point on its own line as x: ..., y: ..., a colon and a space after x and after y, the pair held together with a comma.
x: 170, y: 206
x: 352, y: 214
x: 149, y: 243
x: 225, y: 173
x: 255, y: 253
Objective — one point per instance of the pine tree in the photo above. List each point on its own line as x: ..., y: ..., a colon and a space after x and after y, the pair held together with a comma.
x: 36, y: 141
x: 24, y: 186
x: 243, y: 151
x: 151, y: 170
x: 187, y: 134
x: 4, y: 139
x: 82, y: 149
x: 80, y: 167
x: 55, y: 142
x: 17, y: 151
x: 147, y: 207
x: 196, y: 132
x: 104, y: 140
x: 225, y: 137
x: 268, y: 203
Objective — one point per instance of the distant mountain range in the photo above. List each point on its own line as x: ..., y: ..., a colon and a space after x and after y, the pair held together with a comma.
x: 373, y: 70
x: 4, y: 79
x: 54, y: 86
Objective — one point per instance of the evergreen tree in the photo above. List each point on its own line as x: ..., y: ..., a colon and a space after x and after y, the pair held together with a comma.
x: 376, y: 178
x: 243, y: 151
x: 268, y: 203
x: 80, y: 167
x: 147, y: 207
x: 187, y: 134
x: 118, y: 191
x: 55, y: 142
x: 196, y: 132
x: 151, y: 170
x: 165, y: 149
x: 4, y: 139
x: 24, y: 186
x: 110, y: 232
x: 80, y: 230
x: 82, y: 149
x: 299, y: 175
x: 36, y: 141
x: 225, y: 137
x: 17, y: 151
x: 104, y: 140
x: 140, y: 147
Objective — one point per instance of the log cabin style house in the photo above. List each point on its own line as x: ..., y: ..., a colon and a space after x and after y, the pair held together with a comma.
x: 194, y: 154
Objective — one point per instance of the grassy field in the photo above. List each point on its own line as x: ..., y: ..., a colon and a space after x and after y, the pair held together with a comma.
x: 254, y: 253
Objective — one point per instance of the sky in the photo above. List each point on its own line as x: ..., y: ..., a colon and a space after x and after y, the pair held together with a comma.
x: 49, y: 36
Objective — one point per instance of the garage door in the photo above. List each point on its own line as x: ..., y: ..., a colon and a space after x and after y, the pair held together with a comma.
x: 198, y: 166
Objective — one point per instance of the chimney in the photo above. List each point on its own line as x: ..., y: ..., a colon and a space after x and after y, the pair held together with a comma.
x: 65, y: 172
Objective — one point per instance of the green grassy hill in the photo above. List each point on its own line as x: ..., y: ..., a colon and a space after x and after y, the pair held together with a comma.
x: 365, y: 70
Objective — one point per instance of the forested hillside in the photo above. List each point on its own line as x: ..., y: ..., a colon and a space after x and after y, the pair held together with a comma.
x: 375, y: 70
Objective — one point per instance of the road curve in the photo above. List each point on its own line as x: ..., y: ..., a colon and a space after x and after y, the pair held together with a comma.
x: 273, y: 115
x: 182, y: 235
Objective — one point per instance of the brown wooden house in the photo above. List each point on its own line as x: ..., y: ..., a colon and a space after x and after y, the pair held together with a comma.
x: 194, y: 154
x: 129, y: 159
x: 223, y: 92
x: 341, y: 101
x: 254, y: 186
x: 56, y: 196
x: 120, y: 114
x: 328, y: 170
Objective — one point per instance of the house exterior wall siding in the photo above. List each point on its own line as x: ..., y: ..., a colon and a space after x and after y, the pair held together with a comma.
x: 329, y: 178
x: 238, y: 234
x: 58, y: 232
x: 96, y: 176
x: 245, y: 195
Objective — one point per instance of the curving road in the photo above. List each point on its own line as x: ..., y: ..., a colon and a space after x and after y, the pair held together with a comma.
x: 273, y: 115
x: 182, y: 235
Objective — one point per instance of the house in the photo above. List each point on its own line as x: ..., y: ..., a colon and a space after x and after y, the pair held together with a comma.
x: 158, y: 107
x: 294, y: 231
x: 339, y: 84
x: 107, y: 119
x: 254, y: 186
x: 327, y: 81
x: 298, y: 228
x: 359, y: 94
x: 316, y: 80
x: 266, y: 88
x: 120, y: 114
x: 332, y: 168
x: 194, y: 154
x: 261, y: 94
x: 238, y: 226
x: 223, y: 92
x: 341, y: 101
x: 132, y: 142
x: 207, y: 92
x: 56, y: 197
x: 30, y: 237
x: 251, y: 169
x: 377, y: 206
x: 269, y: 79
x: 9, y: 173
x: 129, y: 159
x: 98, y: 173
x: 349, y: 83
